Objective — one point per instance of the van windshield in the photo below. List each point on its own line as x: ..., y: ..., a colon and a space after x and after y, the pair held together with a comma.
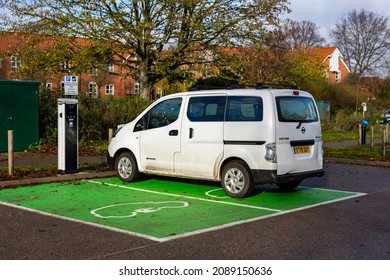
x: 296, y: 109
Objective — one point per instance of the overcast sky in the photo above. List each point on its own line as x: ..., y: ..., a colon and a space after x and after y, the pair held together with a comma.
x: 325, y: 13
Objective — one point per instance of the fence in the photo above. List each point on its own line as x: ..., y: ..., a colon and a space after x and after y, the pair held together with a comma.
x: 384, y: 139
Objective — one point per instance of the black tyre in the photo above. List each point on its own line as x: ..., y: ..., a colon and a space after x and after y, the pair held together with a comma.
x: 126, y: 167
x: 237, y: 179
x: 289, y: 185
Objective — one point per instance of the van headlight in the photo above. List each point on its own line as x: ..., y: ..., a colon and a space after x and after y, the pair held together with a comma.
x: 270, y: 152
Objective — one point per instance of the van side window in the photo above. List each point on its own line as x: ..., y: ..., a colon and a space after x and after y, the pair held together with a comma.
x: 244, y: 108
x: 163, y: 114
x: 296, y: 109
x: 206, y: 109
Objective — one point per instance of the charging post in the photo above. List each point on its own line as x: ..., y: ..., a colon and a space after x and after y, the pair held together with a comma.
x: 68, y: 134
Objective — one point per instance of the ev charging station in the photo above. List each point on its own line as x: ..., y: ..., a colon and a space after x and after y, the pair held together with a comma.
x: 68, y: 135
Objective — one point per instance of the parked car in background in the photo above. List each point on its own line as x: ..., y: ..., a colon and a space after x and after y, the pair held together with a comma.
x: 386, y: 116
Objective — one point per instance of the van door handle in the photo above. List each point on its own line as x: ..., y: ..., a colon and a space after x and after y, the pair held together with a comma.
x: 173, y: 132
x: 191, y: 133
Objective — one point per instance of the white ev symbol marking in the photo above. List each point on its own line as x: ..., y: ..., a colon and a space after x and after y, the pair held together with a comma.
x: 149, y: 207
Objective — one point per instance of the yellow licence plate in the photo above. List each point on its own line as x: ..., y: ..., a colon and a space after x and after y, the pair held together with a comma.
x: 302, y: 149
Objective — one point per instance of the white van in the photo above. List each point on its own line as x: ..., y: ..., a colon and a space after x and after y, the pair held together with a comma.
x: 240, y: 137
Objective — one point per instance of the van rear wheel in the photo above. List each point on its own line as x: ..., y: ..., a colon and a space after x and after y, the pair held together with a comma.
x: 237, y: 180
x: 126, y: 167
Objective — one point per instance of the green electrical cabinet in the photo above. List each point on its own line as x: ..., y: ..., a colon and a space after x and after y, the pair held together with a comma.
x: 19, y: 111
x: 324, y: 110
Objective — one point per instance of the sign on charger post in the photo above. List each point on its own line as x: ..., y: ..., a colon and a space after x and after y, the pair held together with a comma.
x: 364, y: 108
x: 71, y: 85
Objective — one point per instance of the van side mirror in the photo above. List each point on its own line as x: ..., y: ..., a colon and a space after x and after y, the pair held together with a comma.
x: 140, y: 125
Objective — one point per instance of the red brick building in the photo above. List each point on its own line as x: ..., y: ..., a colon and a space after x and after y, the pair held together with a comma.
x: 113, y: 81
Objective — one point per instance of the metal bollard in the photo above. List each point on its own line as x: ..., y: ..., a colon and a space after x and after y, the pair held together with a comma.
x: 110, y: 133
x: 364, y: 131
x: 10, y: 152
x: 384, y: 142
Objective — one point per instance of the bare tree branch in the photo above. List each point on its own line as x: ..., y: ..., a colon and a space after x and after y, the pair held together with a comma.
x: 301, y: 35
x: 364, y: 38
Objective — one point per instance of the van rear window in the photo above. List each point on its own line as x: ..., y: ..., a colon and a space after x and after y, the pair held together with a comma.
x: 296, y: 109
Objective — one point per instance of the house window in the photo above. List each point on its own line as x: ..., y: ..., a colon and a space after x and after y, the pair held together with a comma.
x: 206, y: 73
x: 94, y: 71
x: 16, y: 62
x: 136, y: 88
x: 65, y: 65
x: 93, y: 89
x: 337, y: 76
x: 49, y: 86
x: 110, y: 68
x: 109, y: 89
x: 136, y: 63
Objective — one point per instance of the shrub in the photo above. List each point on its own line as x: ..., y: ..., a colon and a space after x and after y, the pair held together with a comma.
x: 48, y: 116
x: 344, y: 120
x: 96, y: 116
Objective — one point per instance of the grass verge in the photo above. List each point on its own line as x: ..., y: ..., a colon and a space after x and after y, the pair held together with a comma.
x: 357, y: 153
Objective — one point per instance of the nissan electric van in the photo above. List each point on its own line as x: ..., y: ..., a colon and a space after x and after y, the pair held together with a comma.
x: 240, y: 137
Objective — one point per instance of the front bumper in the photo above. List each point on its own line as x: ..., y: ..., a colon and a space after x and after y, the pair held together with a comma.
x: 110, y: 161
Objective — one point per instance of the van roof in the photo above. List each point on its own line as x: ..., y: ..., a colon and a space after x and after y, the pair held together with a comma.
x: 263, y: 91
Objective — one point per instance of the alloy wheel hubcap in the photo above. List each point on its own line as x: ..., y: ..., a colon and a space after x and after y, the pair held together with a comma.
x: 125, y: 168
x: 234, y: 180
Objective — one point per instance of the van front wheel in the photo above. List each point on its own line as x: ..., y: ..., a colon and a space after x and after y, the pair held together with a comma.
x: 237, y: 180
x: 126, y: 167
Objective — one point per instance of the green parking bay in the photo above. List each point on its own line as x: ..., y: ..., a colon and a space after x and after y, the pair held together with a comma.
x: 159, y: 208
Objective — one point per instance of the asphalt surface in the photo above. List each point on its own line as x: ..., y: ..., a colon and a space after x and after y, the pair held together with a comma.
x: 355, y: 229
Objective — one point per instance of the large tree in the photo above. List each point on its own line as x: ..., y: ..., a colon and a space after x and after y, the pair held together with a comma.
x: 364, y: 39
x: 153, y: 38
x: 300, y: 35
